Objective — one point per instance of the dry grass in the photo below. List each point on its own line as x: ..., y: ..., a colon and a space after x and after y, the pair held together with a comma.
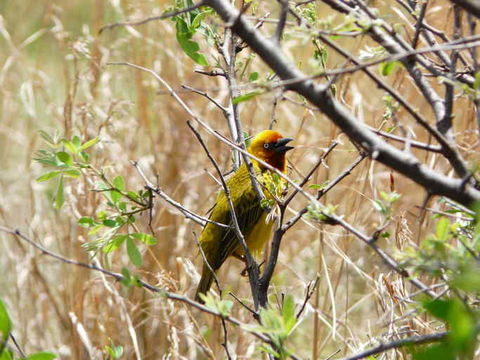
x: 53, y: 76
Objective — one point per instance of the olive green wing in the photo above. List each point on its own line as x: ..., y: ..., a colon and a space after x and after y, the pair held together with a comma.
x: 248, y: 212
x: 218, y: 243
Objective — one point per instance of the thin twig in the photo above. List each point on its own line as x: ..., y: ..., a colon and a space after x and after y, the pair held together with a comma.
x: 419, y: 24
x: 448, y: 150
x: 312, y: 285
x: 281, y: 20
x: 205, y: 260
x: 204, y: 94
x: 162, y: 292
x: 413, y: 340
x: 188, y: 213
x: 323, y: 191
x: 17, y: 345
x: 254, y: 313
x: 152, y: 18
x: 311, y: 172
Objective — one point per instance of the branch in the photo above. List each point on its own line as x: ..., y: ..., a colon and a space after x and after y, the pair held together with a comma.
x: 208, y: 97
x: 153, y: 18
x: 413, y: 340
x: 471, y: 6
x: 402, y: 162
x: 322, y: 192
x: 152, y: 288
x: 281, y: 19
x: 188, y: 213
x: 312, y: 171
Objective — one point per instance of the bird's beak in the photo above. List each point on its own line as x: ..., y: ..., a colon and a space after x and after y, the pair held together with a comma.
x: 281, y: 145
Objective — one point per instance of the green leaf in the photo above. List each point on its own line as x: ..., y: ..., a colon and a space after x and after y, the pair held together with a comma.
x: 245, y: 97
x: 76, y: 141
x: 123, y: 206
x: 59, y: 197
x: 462, y: 325
x: 379, y: 206
x: 115, y: 196
x: 225, y: 307
x: 442, y: 229
x: 95, y: 229
x: 109, y: 223
x: 288, y: 313
x: 435, y: 352
x: 48, y: 176
x: 190, y: 47
x: 119, y: 183
x: 253, y: 76
x: 65, y: 158
x: 86, y: 221
x: 5, y: 325
x: 41, y: 356
x: 198, y: 18
x: 126, y: 281
x: 133, y: 253
x: 133, y: 195
x: 73, y: 173
x: 89, y: 143
x: 85, y: 157
x: 468, y: 280
x: 120, y: 220
x: 70, y: 146
x: 145, y: 238
x: 268, y: 350
x: 438, y: 308
x: 47, y: 138
x: 319, y: 186
x: 114, y: 243
x: 213, y: 302
x: 387, y: 67
x: 115, y: 352
x: 390, y: 197
x: 476, y: 83
x: 6, y: 354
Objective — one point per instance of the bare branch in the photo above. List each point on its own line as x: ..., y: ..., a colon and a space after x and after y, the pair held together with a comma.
x: 204, y: 94
x: 404, y: 163
x: 419, y: 25
x: 471, y: 6
x: 188, y: 213
x: 120, y: 277
x: 152, y: 18
x: 413, y: 340
x: 311, y: 172
x: 281, y: 20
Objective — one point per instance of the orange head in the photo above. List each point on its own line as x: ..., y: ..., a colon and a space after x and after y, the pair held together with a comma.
x: 270, y: 146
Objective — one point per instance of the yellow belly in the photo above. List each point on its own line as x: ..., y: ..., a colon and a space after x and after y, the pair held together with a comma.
x: 259, y: 235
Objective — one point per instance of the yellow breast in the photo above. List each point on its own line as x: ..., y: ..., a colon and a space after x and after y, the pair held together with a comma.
x: 259, y: 235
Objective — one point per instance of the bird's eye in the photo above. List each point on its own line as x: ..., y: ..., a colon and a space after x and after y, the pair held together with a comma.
x: 266, y: 146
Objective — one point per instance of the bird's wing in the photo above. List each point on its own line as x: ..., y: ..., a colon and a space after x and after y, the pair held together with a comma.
x: 218, y: 243
x: 248, y: 212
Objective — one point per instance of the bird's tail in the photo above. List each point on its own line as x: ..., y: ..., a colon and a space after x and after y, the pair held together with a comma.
x: 205, y: 283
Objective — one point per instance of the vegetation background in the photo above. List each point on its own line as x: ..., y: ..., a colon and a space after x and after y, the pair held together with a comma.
x: 54, y: 77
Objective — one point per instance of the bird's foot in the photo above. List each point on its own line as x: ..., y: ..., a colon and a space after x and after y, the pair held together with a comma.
x: 245, y: 270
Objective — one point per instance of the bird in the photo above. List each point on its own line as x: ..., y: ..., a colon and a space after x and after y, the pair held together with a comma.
x: 217, y: 242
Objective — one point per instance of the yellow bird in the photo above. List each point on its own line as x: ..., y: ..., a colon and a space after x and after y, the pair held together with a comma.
x: 217, y: 242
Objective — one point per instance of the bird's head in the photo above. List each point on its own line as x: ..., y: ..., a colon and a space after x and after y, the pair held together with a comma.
x: 270, y: 146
